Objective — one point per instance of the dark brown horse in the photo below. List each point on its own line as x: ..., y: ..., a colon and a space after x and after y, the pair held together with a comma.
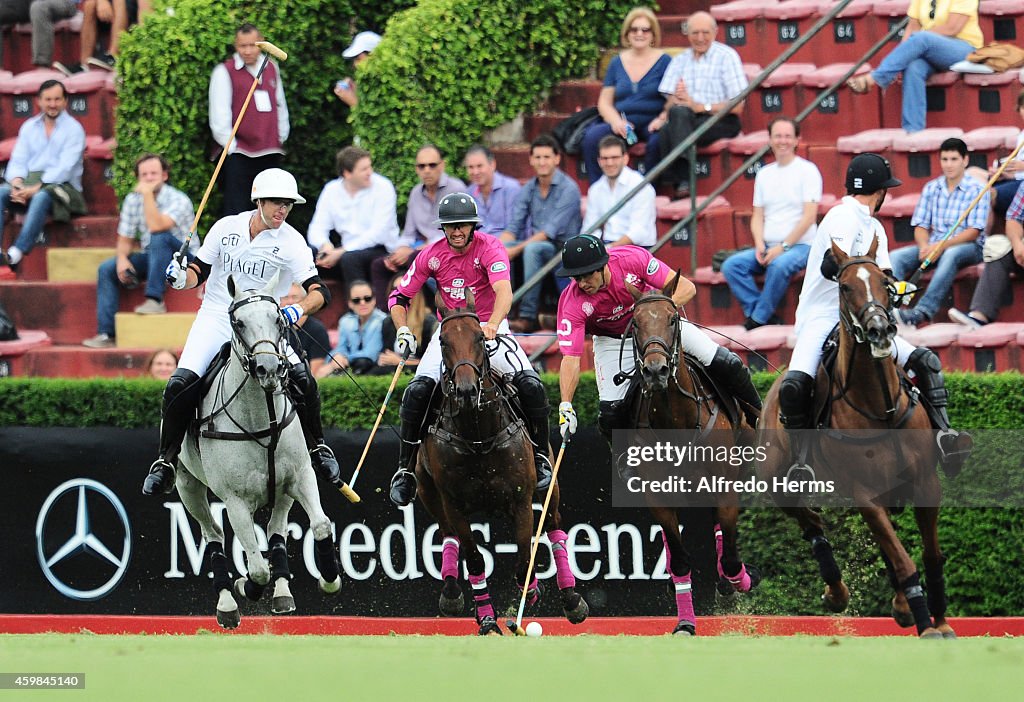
x: 477, y: 458
x: 674, y: 394
x: 877, y: 437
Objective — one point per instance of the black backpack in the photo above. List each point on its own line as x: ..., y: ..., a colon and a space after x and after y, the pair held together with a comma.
x: 570, y: 130
x: 8, y: 332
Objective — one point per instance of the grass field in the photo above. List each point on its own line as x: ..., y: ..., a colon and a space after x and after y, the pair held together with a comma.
x: 620, y: 668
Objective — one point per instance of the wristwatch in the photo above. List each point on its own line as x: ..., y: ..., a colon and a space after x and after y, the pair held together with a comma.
x: 707, y: 107
x: 785, y: 246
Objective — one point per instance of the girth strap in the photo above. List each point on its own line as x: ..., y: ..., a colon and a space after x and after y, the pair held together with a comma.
x: 499, y: 441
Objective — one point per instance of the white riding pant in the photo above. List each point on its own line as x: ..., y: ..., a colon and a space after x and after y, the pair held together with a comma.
x: 608, y: 361
x: 209, y: 332
x: 505, y: 360
x: 811, y: 336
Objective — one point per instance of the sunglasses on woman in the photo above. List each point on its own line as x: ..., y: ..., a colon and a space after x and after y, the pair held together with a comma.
x: 364, y: 298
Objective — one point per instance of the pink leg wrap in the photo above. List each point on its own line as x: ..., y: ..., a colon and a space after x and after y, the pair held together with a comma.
x: 450, y: 558
x: 684, y: 598
x: 668, y: 553
x: 718, y: 548
x: 533, y: 592
x: 481, y: 597
x: 741, y: 581
x: 564, y: 576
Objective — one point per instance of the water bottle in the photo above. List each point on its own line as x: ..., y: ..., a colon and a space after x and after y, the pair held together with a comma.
x: 631, y: 137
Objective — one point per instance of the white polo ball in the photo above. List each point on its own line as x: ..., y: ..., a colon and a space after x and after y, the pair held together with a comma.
x: 534, y: 629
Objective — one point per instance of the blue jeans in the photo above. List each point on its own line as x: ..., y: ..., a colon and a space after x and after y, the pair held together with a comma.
x: 149, y: 265
x: 917, y: 58
x: 905, y: 261
x: 35, y: 218
x: 739, y: 271
x: 535, y: 255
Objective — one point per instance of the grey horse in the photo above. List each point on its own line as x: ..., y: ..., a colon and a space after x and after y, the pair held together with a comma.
x: 249, y: 450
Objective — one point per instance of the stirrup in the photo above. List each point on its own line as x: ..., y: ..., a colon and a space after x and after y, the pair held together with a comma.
x: 958, y: 449
x: 403, y: 487
x: 800, y: 471
x: 626, y: 472
x: 543, y: 468
x: 324, y: 463
x: 160, y: 480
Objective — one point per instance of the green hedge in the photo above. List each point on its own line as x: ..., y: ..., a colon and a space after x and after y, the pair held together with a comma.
x: 983, y: 546
x: 448, y: 70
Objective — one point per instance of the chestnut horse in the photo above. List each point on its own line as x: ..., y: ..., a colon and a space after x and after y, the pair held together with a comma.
x: 877, y: 436
x: 674, y: 395
x: 477, y: 458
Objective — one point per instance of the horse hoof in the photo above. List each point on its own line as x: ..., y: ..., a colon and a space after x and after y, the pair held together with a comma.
x: 451, y: 606
x: 240, y: 587
x: 228, y: 616
x: 283, y: 602
x: 946, y: 630
x: 489, y: 627
x: 930, y: 633
x: 330, y: 588
x: 684, y: 629
x: 755, y: 575
x: 903, y: 617
x: 836, y: 601
x: 579, y: 613
x: 724, y: 587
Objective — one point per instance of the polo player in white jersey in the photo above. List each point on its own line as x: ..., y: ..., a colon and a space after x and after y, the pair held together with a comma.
x: 254, y: 247
x: 463, y: 260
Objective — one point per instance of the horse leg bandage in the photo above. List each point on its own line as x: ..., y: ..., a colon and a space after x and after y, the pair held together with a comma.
x: 326, y: 562
x: 279, y: 558
x: 827, y: 566
x: 564, y: 576
x: 481, y: 597
x: 684, y: 598
x: 219, y: 566
x: 915, y: 598
x: 450, y: 558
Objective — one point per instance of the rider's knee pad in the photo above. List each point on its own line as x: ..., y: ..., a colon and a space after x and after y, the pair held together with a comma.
x: 610, y: 416
x: 531, y: 390
x: 301, y: 379
x: 416, y: 398
x: 923, y: 360
x: 795, y: 399
x: 182, y: 386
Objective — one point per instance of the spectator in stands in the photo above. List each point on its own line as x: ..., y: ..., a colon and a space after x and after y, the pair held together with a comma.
x: 355, y: 221
x: 12, y: 12
x: 494, y: 192
x: 698, y: 83
x: 359, y: 50
x: 359, y: 334
x: 941, y: 204
x: 786, y: 197
x: 547, y: 212
x: 308, y: 334
x: 939, y: 34
x: 161, y: 364
x: 992, y: 288
x: 45, y: 171
x: 630, y: 100
x: 43, y: 14
x: 636, y: 222
x: 420, y: 319
x: 156, y: 217
x: 1006, y: 187
x: 119, y: 14
x: 258, y: 145
x: 420, y: 217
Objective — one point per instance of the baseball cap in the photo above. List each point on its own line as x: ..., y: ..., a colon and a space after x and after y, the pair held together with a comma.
x: 364, y: 42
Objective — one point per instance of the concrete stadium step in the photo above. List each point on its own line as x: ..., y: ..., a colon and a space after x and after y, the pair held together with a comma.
x: 86, y: 232
x: 75, y: 265
x: 153, y: 330
x: 80, y: 362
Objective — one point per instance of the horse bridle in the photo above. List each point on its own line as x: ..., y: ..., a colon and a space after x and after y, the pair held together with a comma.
x: 666, y: 348
x: 249, y: 353
x: 854, y: 322
x: 482, y: 371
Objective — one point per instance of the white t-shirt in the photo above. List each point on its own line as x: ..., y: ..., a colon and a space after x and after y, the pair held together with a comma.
x: 850, y: 225
x: 783, y: 191
x: 253, y: 264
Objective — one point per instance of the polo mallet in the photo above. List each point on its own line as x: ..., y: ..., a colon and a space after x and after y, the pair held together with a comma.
x: 516, y: 626
x: 270, y: 50
x: 940, y: 244
x: 346, y: 488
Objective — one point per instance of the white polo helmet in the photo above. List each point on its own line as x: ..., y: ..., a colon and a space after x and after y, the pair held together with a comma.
x: 276, y: 182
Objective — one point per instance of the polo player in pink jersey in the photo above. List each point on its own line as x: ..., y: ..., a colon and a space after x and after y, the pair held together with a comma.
x: 463, y: 260
x: 597, y: 302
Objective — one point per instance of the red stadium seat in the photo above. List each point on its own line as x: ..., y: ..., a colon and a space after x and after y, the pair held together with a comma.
x: 889, y: 13
x: 742, y: 27
x: 852, y: 32
x: 943, y: 93
x: 895, y: 214
x: 778, y: 95
x: 712, y: 165
x: 988, y: 144
x: 766, y: 348
x: 98, y: 172
x: 1001, y: 20
x: 993, y: 347
x: 842, y: 112
x: 785, y: 22
x: 878, y: 141
x: 86, y: 102
x: 915, y: 156
x: 940, y: 338
x: 741, y: 192
x: 991, y: 94
x: 714, y: 231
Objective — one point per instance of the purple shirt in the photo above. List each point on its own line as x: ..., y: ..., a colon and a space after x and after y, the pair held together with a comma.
x: 422, y: 212
x: 482, y: 264
x: 496, y: 210
x: 608, y: 311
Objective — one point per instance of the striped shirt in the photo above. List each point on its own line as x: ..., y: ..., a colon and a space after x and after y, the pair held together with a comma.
x: 1016, y: 210
x: 171, y: 202
x: 717, y: 76
x: 939, y: 208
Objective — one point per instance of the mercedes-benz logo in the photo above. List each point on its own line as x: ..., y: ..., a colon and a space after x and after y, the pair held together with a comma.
x: 83, y: 540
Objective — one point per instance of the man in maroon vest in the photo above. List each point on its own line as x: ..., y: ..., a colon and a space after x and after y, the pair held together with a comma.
x: 264, y: 128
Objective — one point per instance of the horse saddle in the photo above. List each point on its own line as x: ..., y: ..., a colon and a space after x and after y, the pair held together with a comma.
x: 216, y: 364
x: 705, y: 388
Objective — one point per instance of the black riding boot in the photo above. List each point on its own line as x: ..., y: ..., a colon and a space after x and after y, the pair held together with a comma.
x: 180, y: 399
x: 612, y: 415
x: 305, y: 395
x: 727, y: 368
x: 795, y: 414
x: 954, y: 446
x: 534, y: 399
x: 415, y: 404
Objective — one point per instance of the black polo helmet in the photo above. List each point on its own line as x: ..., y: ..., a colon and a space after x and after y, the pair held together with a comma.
x: 869, y: 173
x: 581, y: 255
x: 457, y: 208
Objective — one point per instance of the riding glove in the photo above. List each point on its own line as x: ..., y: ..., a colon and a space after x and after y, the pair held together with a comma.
x: 566, y: 419
x: 177, y: 271
x: 292, y: 313
x: 406, y: 341
x: 901, y: 292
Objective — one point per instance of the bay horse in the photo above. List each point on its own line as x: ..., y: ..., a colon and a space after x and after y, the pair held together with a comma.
x: 249, y: 450
x: 874, y: 435
x: 477, y: 457
x: 674, y: 393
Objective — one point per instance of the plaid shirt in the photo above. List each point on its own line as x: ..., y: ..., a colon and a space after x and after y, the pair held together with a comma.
x: 170, y: 201
x: 939, y: 208
x: 1016, y: 210
x: 715, y: 77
